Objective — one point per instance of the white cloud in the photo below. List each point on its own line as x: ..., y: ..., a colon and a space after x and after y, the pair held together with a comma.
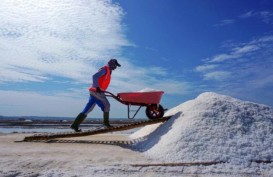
x: 151, y: 49
x: 57, y: 38
x: 173, y: 87
x: 236, y: 52
x: 265, y: 16
x: 225, y: 22
x: 264, y: 39
x: 223, y: 57
x: 243, y: 50
x: 72, y: 39
x: 134, y: 78
x: 245, y: 70
x: 217, y: 75
x: 247, y: 14
x: 44, y: 40
x: 20, y: 75
x: 204, y: 68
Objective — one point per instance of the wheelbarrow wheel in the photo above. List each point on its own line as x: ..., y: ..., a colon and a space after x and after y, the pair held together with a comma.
x: 154, y: 111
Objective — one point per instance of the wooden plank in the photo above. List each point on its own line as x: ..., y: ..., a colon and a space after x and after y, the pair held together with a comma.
x: 178, y: 164
x: 96, y: 131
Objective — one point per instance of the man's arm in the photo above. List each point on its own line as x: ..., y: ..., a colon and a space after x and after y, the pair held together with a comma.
x: 96, y: 77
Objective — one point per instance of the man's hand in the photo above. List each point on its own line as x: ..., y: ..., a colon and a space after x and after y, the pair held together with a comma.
x: 98, y: 90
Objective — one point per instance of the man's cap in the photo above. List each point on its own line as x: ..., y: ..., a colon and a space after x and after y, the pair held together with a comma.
x: 116, y: 62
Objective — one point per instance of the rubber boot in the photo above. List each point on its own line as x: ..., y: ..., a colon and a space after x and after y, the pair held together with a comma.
x: 106, y: 119
x: 79, y: 119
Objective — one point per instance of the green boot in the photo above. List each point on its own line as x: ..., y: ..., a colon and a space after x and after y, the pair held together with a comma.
x: 79, y: 119
x: 106, y: 119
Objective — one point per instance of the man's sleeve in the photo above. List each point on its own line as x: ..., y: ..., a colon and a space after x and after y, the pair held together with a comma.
x: 96, y: 77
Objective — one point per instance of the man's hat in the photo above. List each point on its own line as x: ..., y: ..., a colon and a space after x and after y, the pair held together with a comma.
x: 116, y: 62
x: 113, y: 63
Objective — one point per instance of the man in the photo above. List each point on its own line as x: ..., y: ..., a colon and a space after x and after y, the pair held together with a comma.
x: 101, y: 81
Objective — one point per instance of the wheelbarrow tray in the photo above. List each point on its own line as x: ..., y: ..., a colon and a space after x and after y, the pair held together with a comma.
x: 141, y: 97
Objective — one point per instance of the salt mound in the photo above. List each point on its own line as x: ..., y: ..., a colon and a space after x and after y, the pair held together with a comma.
x: 148, y: 90
x: 212, y: 127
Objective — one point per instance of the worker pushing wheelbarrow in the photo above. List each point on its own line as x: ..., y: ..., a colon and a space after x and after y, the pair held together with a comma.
x: 97, y: 96
x: 150, y: 100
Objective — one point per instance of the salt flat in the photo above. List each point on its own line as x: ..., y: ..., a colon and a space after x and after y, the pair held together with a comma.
x: 21, y: 159
x: 211, y: 127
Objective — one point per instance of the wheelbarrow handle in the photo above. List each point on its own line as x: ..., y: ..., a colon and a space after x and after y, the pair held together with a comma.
x: 108, y: 93
x: 111, y: 95
x: 116, y: 97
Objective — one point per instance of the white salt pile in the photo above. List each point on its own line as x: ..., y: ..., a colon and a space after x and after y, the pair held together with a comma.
x: 212, y: 127
x: 147, y: 90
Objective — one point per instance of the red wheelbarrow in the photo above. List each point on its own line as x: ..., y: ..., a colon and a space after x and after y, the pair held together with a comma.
x: 150, y: 100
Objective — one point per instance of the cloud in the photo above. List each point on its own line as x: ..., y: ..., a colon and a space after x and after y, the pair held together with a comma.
x: 264, y: 40
x: 240, y: 50
x: 225, y: 22
x: 204, y: 68
x: 236, y: 52
x: 247, y: 14
x: 68, y: 40
x: 151, y: 49
x: 265, y: 16
x: 134, y: 78
x: 217, y: 75
x: 244, y: 70
x: 243, y: 50
x: 57, y: 38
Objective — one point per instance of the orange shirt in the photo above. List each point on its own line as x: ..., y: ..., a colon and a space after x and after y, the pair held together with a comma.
x: 104, y: 80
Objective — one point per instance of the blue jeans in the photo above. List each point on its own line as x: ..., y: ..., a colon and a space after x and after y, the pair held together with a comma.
x: 96, y: 99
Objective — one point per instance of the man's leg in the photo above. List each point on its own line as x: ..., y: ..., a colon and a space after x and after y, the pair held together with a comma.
x: 104, y: 104
x: 106, y: 119
x: 81, y: 117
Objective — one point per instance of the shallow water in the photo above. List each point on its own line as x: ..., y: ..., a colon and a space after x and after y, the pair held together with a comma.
x: 50, y: 129
x: 7, y: 130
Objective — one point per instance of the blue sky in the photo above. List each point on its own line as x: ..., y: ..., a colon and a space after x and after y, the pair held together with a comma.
x: 50, y: 49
